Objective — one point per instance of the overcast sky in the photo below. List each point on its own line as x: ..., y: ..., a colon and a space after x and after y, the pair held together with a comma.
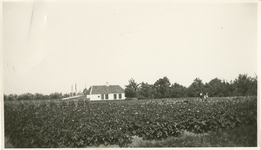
x: 49, y: 46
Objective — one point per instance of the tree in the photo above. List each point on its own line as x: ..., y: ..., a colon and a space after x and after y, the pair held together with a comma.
x: 196, y: 88
x: 56, y: 95
x: 162, y: 88
x: 245, y: 85
x: 10, y: 97
x: 177, y: 90
x: 146, y: 90
x: 66, y: 95
x: 253, y: 87
x: 5, y: 97
x: 85, y: 91
x: 46, y: 97
x: 215, y: 88
x: 26, y: 96
x: 38, y: 96
x: 131, y: 89
x: 227, y: 88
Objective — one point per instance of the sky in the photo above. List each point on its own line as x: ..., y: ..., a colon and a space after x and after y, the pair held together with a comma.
x: 49, y: 46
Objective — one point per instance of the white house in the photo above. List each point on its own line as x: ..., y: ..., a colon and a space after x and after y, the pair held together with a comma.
x: 106, y: 92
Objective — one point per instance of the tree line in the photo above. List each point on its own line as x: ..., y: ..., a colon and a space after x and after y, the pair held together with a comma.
x: 36, y: 96
x: 243, y: 85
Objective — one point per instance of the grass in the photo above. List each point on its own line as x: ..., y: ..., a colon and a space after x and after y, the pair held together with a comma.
x: 243, y: 136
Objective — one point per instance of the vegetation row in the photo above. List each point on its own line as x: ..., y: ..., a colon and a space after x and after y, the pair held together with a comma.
x: 83, y: 123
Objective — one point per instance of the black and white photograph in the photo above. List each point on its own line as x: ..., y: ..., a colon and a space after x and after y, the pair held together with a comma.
x: 130, y: 74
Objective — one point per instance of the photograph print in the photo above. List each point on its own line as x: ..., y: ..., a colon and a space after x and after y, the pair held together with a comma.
x: 130, y: 74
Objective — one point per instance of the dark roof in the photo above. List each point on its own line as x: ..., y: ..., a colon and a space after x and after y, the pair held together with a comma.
x: 103, y: 89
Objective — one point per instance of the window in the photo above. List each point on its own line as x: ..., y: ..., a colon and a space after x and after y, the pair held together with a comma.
x: 106, y: 96
x: 102, y: 96
x: 119, y: 96
x: 115, y: 96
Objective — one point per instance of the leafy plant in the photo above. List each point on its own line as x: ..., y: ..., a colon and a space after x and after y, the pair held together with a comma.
x: 81, y: 123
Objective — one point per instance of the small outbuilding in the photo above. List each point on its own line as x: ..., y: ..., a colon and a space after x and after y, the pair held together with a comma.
x: 106, y: 92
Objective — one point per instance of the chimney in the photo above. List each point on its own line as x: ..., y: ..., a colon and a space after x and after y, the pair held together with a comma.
x: 107, y: 83
x: 72, y: 90
x: 75, y: 88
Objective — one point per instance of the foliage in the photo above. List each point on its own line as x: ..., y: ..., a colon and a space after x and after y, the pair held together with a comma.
x: 217, y: 88
x: 146, y: 91
x: 10, y: 97
x: 86, y: 91
x: 66, y: 95
x: 162, y: 88
x: 195, y: 88
x: 242, y: 136
x: 36, y: 96
x: 245, y: 85
x: 132, y: 89
x: 56, y: 95
x: 177, y: 90
x: 82, y: 123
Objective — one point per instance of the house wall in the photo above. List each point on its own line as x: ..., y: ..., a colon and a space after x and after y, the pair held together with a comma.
x: 94, y: 96
x: 123, y: 96
x: 110, y: 96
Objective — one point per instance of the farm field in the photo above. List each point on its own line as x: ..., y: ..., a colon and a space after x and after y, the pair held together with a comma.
x: 153, y: 123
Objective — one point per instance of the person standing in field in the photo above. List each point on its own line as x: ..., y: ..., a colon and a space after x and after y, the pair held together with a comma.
x: 206, y: 96
x: 201, y: 96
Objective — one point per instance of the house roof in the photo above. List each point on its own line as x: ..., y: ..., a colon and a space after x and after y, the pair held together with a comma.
x: 73, y: 97
x: 103, y: 89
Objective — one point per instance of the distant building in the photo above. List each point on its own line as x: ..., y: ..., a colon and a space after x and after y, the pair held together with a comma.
x: 106, y: 92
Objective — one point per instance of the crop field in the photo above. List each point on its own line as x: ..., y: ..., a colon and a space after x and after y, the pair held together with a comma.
x: 81, y: 123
